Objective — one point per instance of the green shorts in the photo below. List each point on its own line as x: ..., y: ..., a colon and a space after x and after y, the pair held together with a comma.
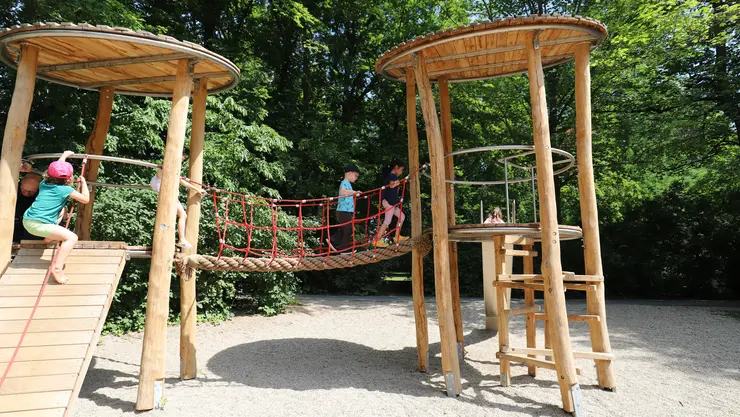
x: 38, y: 228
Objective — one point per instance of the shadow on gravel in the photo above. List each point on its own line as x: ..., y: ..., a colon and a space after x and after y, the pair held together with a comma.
x: 304, y: 364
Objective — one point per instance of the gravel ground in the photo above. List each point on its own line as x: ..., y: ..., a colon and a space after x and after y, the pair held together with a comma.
x: 337, y: 356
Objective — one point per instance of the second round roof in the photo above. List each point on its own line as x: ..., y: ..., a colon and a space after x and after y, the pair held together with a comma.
x: 492, y: 49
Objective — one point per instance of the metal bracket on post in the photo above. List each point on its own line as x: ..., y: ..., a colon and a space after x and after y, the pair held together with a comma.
x: 191, y: 66
x: 450, y: 384
x: 575, y: 394
x: 537, y: 39
x: 506, y: 182
x: 196, y: 84
x: 158, y: 394
x: 18, y: 51
x: 504, y: 379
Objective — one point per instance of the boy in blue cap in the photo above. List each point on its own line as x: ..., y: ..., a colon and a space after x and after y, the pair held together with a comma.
x: 342, y: 236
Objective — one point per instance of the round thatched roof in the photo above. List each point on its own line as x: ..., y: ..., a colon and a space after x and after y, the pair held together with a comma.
x: 137, y: 63
x: 492, y: 49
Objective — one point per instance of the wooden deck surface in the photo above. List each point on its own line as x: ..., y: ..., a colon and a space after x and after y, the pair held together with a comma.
x: 46, y: 376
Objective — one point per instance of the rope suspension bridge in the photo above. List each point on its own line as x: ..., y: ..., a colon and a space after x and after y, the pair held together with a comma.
x: 254, y: 232
x: 244, y: 221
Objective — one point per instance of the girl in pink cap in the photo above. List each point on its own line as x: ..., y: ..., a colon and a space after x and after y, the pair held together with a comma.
x: 41, y: 218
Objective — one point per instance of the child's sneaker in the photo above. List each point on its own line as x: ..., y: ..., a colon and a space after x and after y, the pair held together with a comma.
x: 331, y: 247
x: 401, y: 239
x: 184, y: 244
x: 381, y: 243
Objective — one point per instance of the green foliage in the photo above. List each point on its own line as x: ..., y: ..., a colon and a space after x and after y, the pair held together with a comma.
x: 666, y: 110
x: 677, y: 244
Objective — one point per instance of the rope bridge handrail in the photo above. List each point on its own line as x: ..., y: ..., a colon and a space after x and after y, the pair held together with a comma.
x: 243, y: 222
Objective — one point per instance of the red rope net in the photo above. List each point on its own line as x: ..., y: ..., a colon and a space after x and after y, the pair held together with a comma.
x: 256, y: 226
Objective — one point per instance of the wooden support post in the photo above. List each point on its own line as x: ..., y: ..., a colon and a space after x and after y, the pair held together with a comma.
x: 531, y: 323
x: 552, y: 272
x: 188, y: 305
x: 13, y: 140
x: 548, y: 335
x: 595, y: 300
x: 417, y: 261
x: 488, y: 251
x: 502, y: 304
x: 94, y: 146
x: 163, y: 247
x: 446, y: 119
x: 450, y: 362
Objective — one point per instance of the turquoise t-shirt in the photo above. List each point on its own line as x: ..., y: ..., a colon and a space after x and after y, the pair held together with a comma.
x: 48, y: 203
x: 346, y: 203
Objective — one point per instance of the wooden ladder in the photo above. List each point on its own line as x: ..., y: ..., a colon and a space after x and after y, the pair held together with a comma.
x: 47, y: 373
x: 506, y: 248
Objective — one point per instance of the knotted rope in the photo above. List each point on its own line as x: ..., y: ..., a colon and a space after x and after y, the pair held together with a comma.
x: 183, y: 263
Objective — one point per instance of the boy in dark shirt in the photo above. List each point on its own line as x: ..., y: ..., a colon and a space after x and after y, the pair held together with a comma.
x: 390, y: 199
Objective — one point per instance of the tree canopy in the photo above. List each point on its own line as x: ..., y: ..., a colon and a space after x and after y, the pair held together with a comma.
x: 666, y: 109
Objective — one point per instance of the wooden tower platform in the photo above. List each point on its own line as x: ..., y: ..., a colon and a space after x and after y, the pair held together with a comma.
x: 47, y: 373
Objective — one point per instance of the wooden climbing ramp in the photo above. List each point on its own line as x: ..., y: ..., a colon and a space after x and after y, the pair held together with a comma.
x: 45, y: 375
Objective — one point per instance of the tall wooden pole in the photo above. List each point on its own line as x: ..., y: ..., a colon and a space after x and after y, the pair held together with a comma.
x: 151, y: 376
x: 595, y: 300
x: 13, y: 140
x: 188, y: 305
x: 417, y: 261
x: 450, y: 362
x: 94, y: 146
x: 446, y: 116
x: 552, y: 271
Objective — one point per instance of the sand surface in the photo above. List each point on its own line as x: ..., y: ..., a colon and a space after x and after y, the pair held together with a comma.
x: 356, y: 356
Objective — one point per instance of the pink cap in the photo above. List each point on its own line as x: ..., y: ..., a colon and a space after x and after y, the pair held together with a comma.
x: 60, y: 169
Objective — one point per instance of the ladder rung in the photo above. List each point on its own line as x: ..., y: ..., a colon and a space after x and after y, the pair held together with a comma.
x: 519, y: 285
x: 529, y: 277
x: 505, y: 277
x: 522, y: 310
x: 537, y: 286
x: 529, y: 361
x: 580, y: 287
x: 567, y: 277
x: 584, y: 278
x: 585, y: 318
x: 548, y: 352
x: 520, y: 252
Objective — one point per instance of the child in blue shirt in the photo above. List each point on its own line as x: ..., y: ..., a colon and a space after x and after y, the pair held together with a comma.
x: 341, y: 237
x: 41, y: 218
